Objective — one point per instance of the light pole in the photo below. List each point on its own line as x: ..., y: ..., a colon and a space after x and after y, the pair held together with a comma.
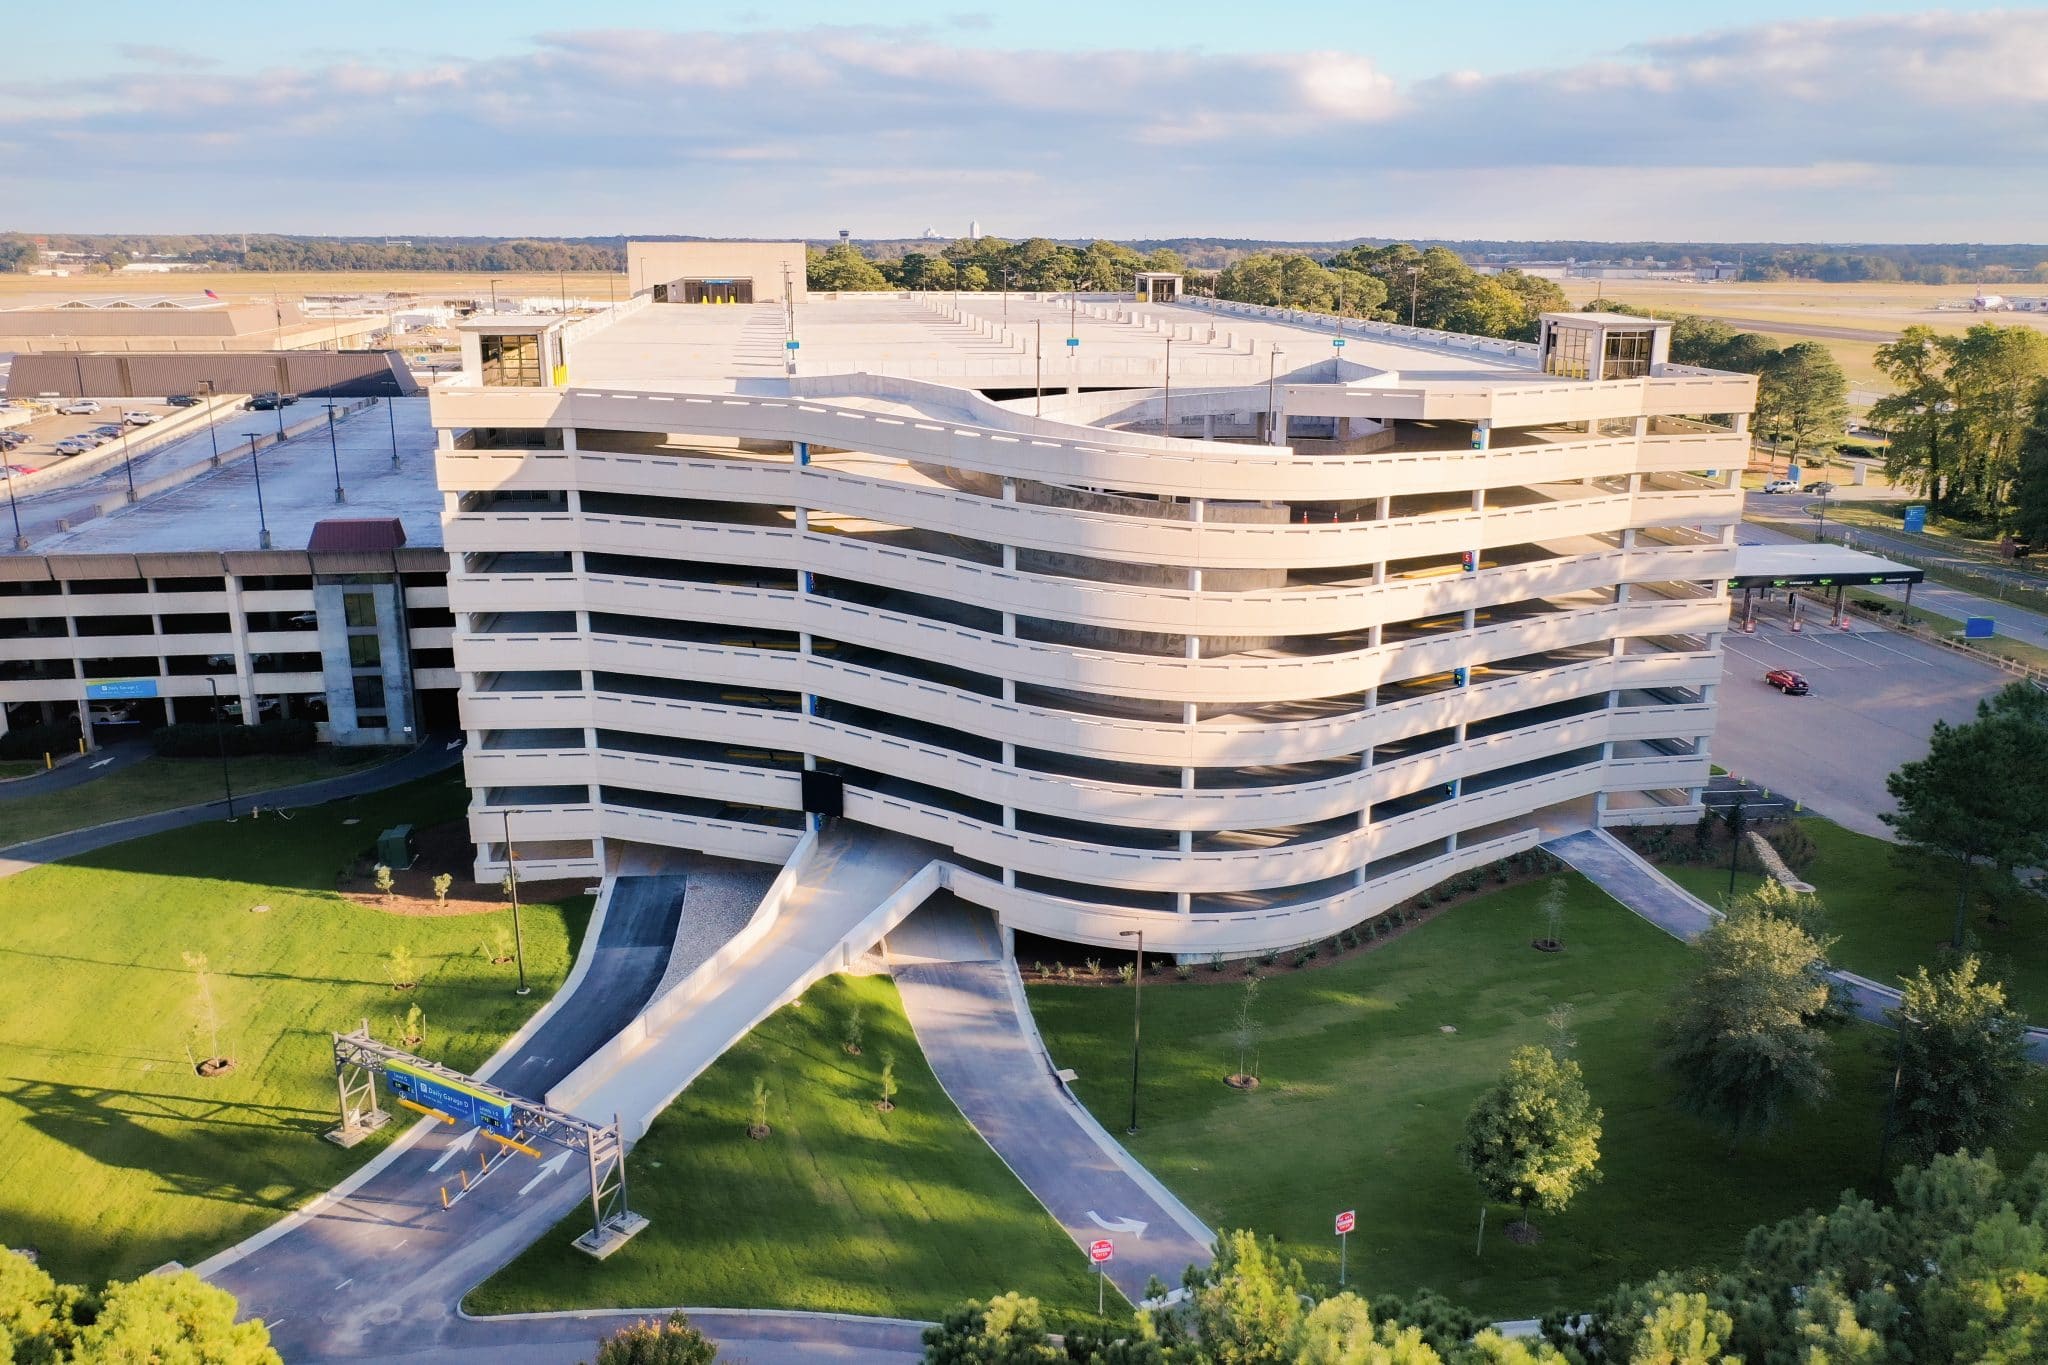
x: 1275, y: 434
x: 20, y: 540
x: 1891, y: 1104
x: 512, y: 879
x: 1006, y: 293
x: 391, y: 415
x: 212, y: 437
x: 1820, y: 512
x: 1166, y: 417
x: 334, y: 451
x: 1038, y: 371
x: 1137, y: 998
x: 127, y: 465
x: 1734, y: 842
x: 280, y: 418
x: 262, y: 521
x: 220, y: 733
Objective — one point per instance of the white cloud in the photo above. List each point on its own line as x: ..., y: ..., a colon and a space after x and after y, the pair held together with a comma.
x: 1877, y: 128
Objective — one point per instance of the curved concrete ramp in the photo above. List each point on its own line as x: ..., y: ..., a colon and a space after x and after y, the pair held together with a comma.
x: 972, y: 1022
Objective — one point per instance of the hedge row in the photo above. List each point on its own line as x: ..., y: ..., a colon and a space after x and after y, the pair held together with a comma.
x: 206, y: 740
x: 33, y: 741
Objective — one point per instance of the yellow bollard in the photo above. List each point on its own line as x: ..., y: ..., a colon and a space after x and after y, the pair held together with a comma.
x: 81, y: 744
x: 463, y: 1171
x: 444, y: 1196
x: 49, y: 761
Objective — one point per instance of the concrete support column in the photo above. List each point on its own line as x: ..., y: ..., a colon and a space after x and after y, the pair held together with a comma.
x: 1208, y: 426
x: 238, y: 627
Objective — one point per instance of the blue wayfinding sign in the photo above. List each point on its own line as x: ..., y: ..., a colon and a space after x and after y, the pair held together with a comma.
x: 1073, y: 341
x: 460, y: 1102
x: 120, y: 689
x: 1979, y: 628
x: 1916, y: 518
x: 790, y: 344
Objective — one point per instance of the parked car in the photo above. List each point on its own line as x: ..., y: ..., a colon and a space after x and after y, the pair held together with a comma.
x: 79, y: 407
x: 10, y: 439
x: 111, y: 715
x: 19, y: 469
x: 1788, y: 682
x: 1781, y: 486
x: 271, y: 402
x: 183, y: 400
x: 136, y: 418
x: 109, y: 432
x: 74, y: 445
x: 1821, y: 489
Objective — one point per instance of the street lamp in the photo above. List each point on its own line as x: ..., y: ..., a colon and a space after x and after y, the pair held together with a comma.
x: 391, y: 415
x: 1137, y: 998
x: 1275, y: 434
x: 212, y: 437
x: 1166, y: 417
x: 1735, y: 826
x: 1820, y: 512
x: 220, y: 733
x: 334, y: 451
x: 280, y: 418
x: 1891, y: 1104
x: 20, y: 540
x: 1414, y: 290
x: 512, y: 879
x: 262, y: 522
x: 127, y: 465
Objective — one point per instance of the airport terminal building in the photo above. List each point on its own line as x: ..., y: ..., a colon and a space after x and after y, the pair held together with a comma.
x: 1232, y: 624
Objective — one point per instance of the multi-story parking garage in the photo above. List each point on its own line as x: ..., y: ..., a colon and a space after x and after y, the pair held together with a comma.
x: 1229, y: 624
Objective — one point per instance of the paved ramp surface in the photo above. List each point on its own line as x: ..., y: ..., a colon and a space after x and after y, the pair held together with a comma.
x: 377, y: 1273
x: 967, y: 1021
x: 1624, y: 874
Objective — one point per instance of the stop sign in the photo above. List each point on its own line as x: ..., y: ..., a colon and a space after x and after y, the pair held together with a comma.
x: 1346, y: 1221
x: 1101, y: 1250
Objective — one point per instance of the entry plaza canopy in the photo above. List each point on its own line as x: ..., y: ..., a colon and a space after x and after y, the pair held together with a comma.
x: 1815, y: 566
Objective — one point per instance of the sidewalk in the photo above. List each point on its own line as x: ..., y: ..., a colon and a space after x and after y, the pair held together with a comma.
x: 970, y: 1020
x: 436, y: 754
x: 1624, y: 874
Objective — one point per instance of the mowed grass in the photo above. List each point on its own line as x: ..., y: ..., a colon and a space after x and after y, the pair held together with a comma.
x: 167, y: 783
x: 115, y: 1156
x: 1890, y: 915
x: 841, y: 1209
x: 1365, y: 1093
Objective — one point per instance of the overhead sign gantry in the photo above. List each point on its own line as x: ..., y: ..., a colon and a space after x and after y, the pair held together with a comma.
x: 512, y: 1121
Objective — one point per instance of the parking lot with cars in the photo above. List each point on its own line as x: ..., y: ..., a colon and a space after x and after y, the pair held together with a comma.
x: 1872, y: 697
x: 56, y: 434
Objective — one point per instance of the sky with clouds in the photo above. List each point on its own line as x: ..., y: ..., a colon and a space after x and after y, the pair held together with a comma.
x: 1780, y: 121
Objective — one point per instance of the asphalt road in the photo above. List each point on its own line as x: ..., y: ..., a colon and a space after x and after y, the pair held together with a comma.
x: 968, y: 1027
x: 439, y: 752
x: 103, y: 762
x: 376, y: 1274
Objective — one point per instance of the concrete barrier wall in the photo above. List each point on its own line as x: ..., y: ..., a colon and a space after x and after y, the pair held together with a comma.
x: 78, y: 468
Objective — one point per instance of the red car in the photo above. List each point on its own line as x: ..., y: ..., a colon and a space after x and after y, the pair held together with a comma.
x: 1786, y: 681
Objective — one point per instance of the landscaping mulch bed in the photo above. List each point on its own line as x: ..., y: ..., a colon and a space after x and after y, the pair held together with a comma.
x: 443, y: 848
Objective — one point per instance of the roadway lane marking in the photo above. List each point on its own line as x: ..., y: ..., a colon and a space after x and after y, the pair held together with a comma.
x: 553, y: 1166
x: 345, y: 1283
x: 1130, y: 1225
x: 461, y: 1144
x: 101, y: 764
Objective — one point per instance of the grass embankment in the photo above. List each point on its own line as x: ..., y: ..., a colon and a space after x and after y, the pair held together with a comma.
x: 840, y: 1209
x: 167, y: 783
x: 1890, y: 916
x: 20, y: 767
x: 1366, y: 1089
x: 115, y: 1156
x: 1996, y: 646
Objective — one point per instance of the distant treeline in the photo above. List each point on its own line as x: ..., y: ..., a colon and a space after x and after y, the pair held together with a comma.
x: 1919, y: 263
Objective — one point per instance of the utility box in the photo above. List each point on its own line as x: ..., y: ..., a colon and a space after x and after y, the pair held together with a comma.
x: 398, y: 847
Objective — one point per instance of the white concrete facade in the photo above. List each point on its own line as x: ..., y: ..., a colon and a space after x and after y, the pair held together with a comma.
x: 1411, y: 601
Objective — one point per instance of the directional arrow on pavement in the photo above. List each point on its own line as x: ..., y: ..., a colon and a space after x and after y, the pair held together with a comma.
x: 452, y: 744
x: 102, y: 763
x: 547, y: 1168
x: 1130, y: 1225
x: 461, y: 1144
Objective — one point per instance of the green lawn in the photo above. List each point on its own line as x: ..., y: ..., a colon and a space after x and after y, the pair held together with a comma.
x: 1365, y: 1095
x: 114, y: 1155
x: 166, y: 783
x: 20, y: 767
x: 1889, y: 917
x: 842, y: 1209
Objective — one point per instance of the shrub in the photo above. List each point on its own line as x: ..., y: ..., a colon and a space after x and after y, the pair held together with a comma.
x: 207, y: 740
x: 442, y: 881
x: 1215, y: 962
x: 33, y: 741
x: 1182, y: 971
